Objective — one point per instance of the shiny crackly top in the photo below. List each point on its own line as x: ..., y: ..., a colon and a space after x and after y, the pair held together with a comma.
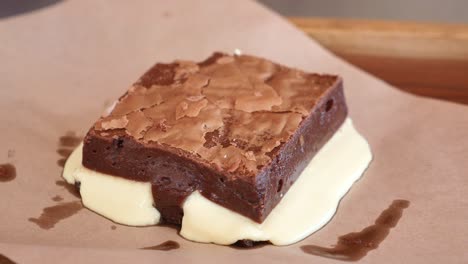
x: 230, y: 111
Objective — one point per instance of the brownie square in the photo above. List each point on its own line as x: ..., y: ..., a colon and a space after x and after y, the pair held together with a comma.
x: 238, y: 129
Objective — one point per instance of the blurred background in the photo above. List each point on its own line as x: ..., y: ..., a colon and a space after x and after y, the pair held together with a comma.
x: 420, y: 46
x: 451, y: 11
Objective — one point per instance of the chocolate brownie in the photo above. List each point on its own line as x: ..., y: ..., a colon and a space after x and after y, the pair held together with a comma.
x: 238, y: 129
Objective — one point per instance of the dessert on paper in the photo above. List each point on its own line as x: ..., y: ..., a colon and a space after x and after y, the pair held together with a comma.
x: 261, y: 151
x: 59, y: 71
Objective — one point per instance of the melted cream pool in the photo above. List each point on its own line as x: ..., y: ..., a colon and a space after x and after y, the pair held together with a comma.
x: 308, y: 205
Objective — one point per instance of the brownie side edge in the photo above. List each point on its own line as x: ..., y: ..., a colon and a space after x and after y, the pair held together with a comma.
x: 172, y: 173
x: 313, y: 133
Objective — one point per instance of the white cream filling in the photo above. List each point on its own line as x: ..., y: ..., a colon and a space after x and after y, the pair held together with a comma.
x: 123, y: 201
x: 308, y: 205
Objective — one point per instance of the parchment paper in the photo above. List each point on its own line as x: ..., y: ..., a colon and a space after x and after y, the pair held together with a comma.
x: 60, y: 65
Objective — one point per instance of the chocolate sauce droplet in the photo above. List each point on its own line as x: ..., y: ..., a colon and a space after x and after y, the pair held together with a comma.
x: 64, y: 152
x: 113, y: 227
x: 70, y: 139
x: 166, y: 246
x: 67, y: 144
x: 72, y: 189
x: 354, y: 246
x: 52, y: 215
x: 57, y: 198
x: 5, y: 260
x: 61, y: 162
x: 11, y: 153
x: 7, y: 172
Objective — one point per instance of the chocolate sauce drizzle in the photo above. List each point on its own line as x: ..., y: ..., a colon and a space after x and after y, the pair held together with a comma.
x: 67, y: 144
x: 5, y: 260
x: 354, y: 246
x: 57, y: 198
x: 72, y: 189
x: 7, y: 172
x: 52, y: 215
x: 70, y: 139
x: 166, y: 246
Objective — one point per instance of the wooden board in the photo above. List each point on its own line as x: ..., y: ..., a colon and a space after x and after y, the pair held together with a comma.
x: 421, y: 58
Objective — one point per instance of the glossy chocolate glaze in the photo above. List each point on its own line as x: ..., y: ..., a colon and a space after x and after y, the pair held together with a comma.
x: 354, y: 246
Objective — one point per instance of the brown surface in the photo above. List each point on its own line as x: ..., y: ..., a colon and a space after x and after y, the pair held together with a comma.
x: 76, y: 65
x: 420, y: 58
x: 248, y: 129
